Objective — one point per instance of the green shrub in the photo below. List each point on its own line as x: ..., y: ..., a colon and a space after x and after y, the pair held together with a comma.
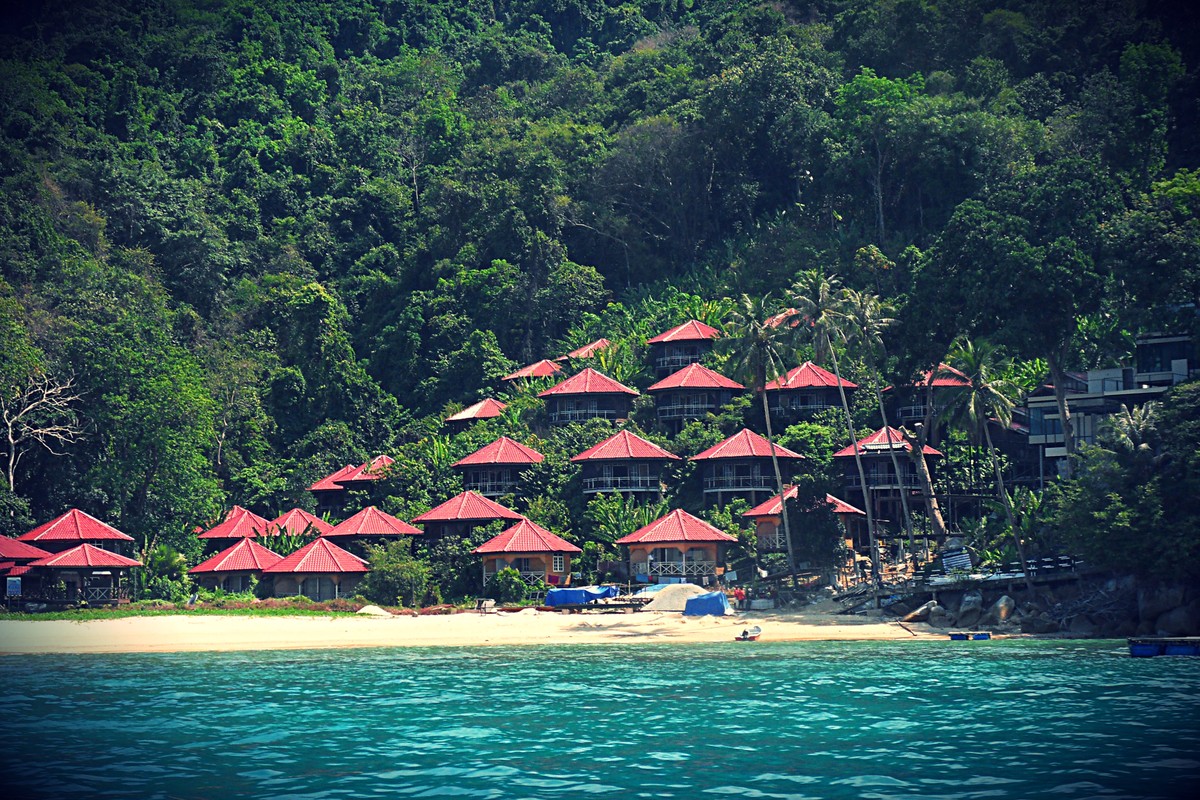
x: 506, y: 586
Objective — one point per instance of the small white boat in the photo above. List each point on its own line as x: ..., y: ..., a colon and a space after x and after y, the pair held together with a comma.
x: 749, y: 635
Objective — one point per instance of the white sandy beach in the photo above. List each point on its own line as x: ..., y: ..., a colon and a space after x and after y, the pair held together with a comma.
x: 186, y: 632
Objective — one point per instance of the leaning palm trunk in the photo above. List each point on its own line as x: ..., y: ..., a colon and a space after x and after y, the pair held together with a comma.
x: 1008, y: 509
x: 787, y: 529
x: 932, y: 509
x: 862, y: 480
x: 896, y: 466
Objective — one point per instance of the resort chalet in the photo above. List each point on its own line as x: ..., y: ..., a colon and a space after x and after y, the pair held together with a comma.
x: 588, y: 395
x: 741, y: 466
x: 677, y: 548
x: 625, y: 464
x: 684, y: 344
x: 493, y: 470
x: 534, y: 552
x: 691, y: 393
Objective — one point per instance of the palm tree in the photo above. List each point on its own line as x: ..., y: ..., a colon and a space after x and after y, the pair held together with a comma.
x: 820, y: 306
x: 985, y: 396
x: 759, y: 353
x: 868, y: 317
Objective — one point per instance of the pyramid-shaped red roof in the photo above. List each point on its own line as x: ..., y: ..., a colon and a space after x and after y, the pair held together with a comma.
x: 678, y: 526
x: 245, y: 556
x: 526, y: 537
x: 879, y: 442
x: 944, y: 375
x: 321, y: 556
x: 538, y: 369
x: 587, y: 351
x: 588, y: 382
x: 74, y: 526
x: 373, y: 522
x: 85, y: 555
x: 370, y: 471
x: 297, y: 521
x: 625, y: 445
x: 502, y: 451
x: 806, y: 376
x: 695, y: 376
x: 782, y: 317
x: 744, y: 444
x: 772, y: 507
x: 690, y: 331
x: 238, y: 523
x: 484, y: 409
x: 467, y: 507
x: 16, y: 550
x: 330, y: 482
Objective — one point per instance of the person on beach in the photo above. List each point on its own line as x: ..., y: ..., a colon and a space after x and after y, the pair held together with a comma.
x: 739, y: 595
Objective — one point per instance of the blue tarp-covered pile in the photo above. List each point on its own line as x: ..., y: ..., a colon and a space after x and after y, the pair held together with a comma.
x: 579, y: 595
x: 713, y: 603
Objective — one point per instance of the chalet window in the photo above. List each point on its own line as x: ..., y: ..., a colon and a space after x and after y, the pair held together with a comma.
x: 522, y: 565
x: 558, y: 563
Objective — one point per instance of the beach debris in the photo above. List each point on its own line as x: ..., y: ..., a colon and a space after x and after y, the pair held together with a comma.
x: 920, y: 614
x: 374, y: 611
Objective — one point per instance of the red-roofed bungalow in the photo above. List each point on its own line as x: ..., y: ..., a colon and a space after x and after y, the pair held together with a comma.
x: 239, y: 523
x: 372, y: 526
x: 691, y: 393
x: 912, y: 403
x: 768, y: 522
x: 367, y: 473
x: 331, y: 490
x: 677, y: 548
x: 624, y: 463
x: 531, y: 550
x: 319, y: 571
x: 232, y: 569
x: 484, y: 409
x: 682, y: 345
x: 299, y: 522
x: 588, y: 395
x: 741, y: 466
x: 74, y: 528
x: 461, y: 513
x: 15, y: 556
x: 587, y: 351
x: 493, y: 470
x: 883, y: 484
x: 538, y: 369
x: 88, y: 573
x: 805, y: 390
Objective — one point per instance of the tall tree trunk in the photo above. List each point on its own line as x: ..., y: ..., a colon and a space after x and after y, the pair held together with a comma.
x: 787, y: 529
x: 896, y: 466
x: 862, y: 480
x: 1008, y: 509
x: 932, y: 509
x: 1059, y: 377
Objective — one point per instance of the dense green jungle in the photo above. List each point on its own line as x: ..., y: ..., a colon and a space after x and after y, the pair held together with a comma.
x: 244, y: 243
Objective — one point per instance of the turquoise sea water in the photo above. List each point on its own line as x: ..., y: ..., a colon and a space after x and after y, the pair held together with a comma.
x: 930, y: 719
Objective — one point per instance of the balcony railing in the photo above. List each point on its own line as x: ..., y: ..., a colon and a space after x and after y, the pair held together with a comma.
x: 627, y: 484
x: 730, y: 483
x: 677, y: 360
x: 908, y: 413
x: 780, y: 409
x: 772, y: 542
x: 529, y: 576
x: 90, y: 594
x: 885, y: 482
x: 490, y: 488
x: 686, y: 410
x: 674, y: 569
x: 582, y: 414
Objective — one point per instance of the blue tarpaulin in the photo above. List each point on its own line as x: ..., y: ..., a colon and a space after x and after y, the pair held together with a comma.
x: 578, y: 595
x: 713, y: 603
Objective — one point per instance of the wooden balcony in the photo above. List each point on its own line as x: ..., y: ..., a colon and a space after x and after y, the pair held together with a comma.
x: 627, y: 484
x: 529, y: 576
x: 560, y: 416
x: 677, y: 361
x: 884, y: 482
x: 772, y: 542
x: 686, y: 410
x: 490, y: 488
x: 739, y: 483
x: 784, y: 409
x: 674, y: 569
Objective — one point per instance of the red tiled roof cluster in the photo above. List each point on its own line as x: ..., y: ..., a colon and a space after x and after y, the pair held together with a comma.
x: 330, y: 482
x: 373, y: 522
x: 690, y: 331
x: 879, y: 442
x: 320, y: 557
x: 772, y: 507
x: 74, y: 526
x: 337, y: 481
x: 16, y: 550
x: 678, y: 526
x: 744, y: 444
x: 589, y: 381
x: 484, y: 409
x: 245, y: 556
x: 808, y: 375
x: 695, y: 376
x: 297, y: 521
x: 238, y: 523
x: 467, y: 507
x: 587, y: 351
x: 526, y: 537
x: 625, y: 445
x: 538, y: 369
x: 502, y: 451
x: 85, y: 555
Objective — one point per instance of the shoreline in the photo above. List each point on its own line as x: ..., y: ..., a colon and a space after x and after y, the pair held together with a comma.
x: 184, y: 633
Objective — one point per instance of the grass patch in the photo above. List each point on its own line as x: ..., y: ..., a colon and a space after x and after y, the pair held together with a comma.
x: 282, y: 607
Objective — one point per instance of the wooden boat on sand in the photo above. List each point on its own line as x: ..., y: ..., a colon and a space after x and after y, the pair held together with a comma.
x: 749, y: 635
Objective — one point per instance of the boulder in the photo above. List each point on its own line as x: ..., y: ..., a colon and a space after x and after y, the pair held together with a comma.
x: 1082, y: 625
x: 1180, y: 621
x: 970, y: 609
x: 939, y: 617
x: 1039, y: 623
x: 920, y: 614
x: 1001, y: 610
x: 1153, y: 603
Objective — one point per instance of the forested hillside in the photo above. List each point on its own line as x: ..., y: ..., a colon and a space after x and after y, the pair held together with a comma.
x: 250, y: 241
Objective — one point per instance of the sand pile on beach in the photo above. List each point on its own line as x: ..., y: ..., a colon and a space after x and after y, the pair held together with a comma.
x: 674, y: 598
